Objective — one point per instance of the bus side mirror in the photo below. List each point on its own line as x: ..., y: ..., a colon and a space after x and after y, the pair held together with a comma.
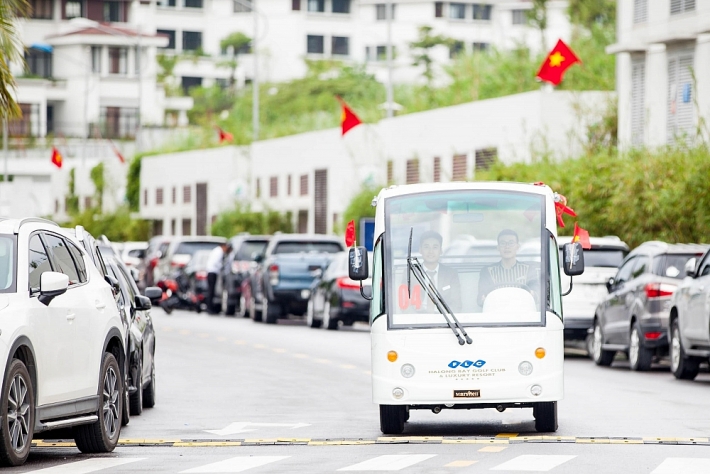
x: 357, y: 264
x: 573, y: 259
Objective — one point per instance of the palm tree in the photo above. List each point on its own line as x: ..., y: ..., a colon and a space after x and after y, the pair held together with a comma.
x: 11, y: 50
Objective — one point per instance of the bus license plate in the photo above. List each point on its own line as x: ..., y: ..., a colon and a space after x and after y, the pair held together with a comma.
x: 467, y: 393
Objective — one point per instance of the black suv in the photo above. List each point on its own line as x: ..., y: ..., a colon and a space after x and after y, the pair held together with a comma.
x: 633, y: 318
x: 246, y: 249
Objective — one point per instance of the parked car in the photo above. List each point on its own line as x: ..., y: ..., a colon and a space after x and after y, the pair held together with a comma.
x: 179, y: 252
x: 336, y: 298
x: 62, y: 342
x: 601, y: 263
x: 283, y: 279
x: 246, y: 249
x: 157, y: 246
x: 132, y: 253
x: 690, y: 320
x: 633, y: 317
x: 140, y: 354
x: 195, y: 283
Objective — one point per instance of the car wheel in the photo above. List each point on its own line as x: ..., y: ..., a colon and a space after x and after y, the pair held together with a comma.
x: 228, y: 309
x: 17, y: 415
x: 271, y: 312
x: 545, y: 414
x: 311, y: 321
x: 149, y: 390
x: 102, y: 436
x: 392, y: 419
x: 242, y: 307
x: 328, y: 321
x: 639, y: 357
x: 600, y: 356
x: 682, y: 366
x: 136, y: 400
x: 253, y: 313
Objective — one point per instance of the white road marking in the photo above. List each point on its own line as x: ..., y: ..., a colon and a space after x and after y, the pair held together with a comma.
x: 684, y: 465
x: 86, y: 466
x: 238, y: 464
x: 388, y: 462
x: 533, y: 462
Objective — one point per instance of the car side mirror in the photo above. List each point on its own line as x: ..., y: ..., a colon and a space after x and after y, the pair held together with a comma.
x: 610, y: 284
x: 51, y: 285
x: 114, y: 284
x: 153, y: 293
x: 690, y: 268
x: 259, y: 258
x: 357, y: 264
x: 143, y: 303
x: 573, y: 259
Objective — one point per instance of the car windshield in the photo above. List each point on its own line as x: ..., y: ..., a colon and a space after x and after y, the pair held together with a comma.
x: 249, y: 250
x: 7, y: 264
x: 602, y: 258
x: 308, y: 247
x: 189, y: 248
x: 481, y: 249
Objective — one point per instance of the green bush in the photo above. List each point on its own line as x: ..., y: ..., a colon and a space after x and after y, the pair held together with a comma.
x: 118, y: 226
x: 360, y: 206
x: 242, y: 219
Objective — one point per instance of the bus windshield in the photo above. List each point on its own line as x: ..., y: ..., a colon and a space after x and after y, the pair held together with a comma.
x: 482, y: 249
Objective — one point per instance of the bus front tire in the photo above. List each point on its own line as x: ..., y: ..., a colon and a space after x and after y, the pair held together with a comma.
x: 392, y: 418
x: 545, y: 414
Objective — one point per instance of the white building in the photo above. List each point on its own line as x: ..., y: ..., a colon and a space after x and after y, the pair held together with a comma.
x: 314, y: 175
x: 660, y: 45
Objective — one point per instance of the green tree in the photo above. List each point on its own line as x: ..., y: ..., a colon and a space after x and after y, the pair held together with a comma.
x: 71, y: 198
x: 165, y: 74
x: 361, y: 206
x: 422, y: 50
x: 97, y: 177
x: 588, y: 12
x: 243, y: 219
x: 11, y: 50
x: 237, y: 42
x: 133, y: 184
x: 118, y: 226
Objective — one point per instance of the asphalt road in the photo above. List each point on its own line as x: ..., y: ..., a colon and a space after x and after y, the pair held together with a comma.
x: 237, y: 396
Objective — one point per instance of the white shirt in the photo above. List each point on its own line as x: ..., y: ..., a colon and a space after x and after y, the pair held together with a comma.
x: 214, y: 262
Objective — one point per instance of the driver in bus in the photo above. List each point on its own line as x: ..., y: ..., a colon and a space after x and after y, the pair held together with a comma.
x: 509, y: 272
x: 446, y: 279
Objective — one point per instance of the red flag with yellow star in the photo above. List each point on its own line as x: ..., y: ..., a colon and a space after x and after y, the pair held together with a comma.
x: 348, y: 119
x: 582, y: 236
x: 56, y: 158
x: 556, y: 63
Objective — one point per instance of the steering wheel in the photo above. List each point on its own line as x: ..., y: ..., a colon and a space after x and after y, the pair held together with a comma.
x: 522, y: 286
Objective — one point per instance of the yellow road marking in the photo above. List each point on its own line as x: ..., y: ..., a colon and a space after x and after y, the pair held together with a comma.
x: 239, y: 342
x: 280, y: 351
x: 460, y: 463
x: 206, y: 444
x: 166, y: 329
x: 592, y: 441
x: 347, y: 366
x: 506, y: 435
x: 475, y: 441
x: 492, y: 449
x: 221, y: 339
x: 323, y: 361
x: 625, y: 441
x: 259, y: 346
x: 185, y: 332
x: 203, y: 335
x: 148, y: 441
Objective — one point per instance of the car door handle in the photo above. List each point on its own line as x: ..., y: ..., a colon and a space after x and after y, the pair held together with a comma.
x: 71, y: 316
x: 100, y: 304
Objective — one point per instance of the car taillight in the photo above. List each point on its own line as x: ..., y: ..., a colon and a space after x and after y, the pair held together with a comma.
x: 274, y: 274
x: 153, y: 262
x: 175, y: 264
x: 346, y: 283
x: 653, y: 335
x: 659, y: 290
x: 201, y: 275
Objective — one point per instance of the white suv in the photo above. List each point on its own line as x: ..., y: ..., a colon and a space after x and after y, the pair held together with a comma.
x: 61, y: 342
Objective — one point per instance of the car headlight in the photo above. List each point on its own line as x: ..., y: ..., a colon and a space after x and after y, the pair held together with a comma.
x: 525, y: 368
x: 407, y: 371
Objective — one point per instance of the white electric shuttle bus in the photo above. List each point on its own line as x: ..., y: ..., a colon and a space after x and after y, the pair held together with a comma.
x: 466, y: 307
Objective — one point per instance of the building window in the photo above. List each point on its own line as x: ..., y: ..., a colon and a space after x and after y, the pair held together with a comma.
x: 315, y: 44
x: 439, y: 9
x: 412, y: 171
x: 316, y: 6
x: 145, y: 197
x: 87, y: 202
x: 258, y: 187
x: 640, y: 11
x: 96, y: 59
x: 341, y: 6
x: 117, y: 60
x: 188, y: 83
x: 241, y: 6
x: 457, y: 11
x: 481, y: 47
x: 191, y: 40
x: 193, y: 3
x: 288, y: 185
x: 159, y: 196
x: 187, y: 227
x: 520, y: 17
x: 273, y: 186
x: 118, y: 122
x: 459, y: 168
x: 42, y: 9
x: 455, y: 49
x: 296, y: 5
x: 682, y: 6
x: 381, y: 11
x: 113, y: 11
x: 171, y: 38
x: 186, y: 194
x: 28, y: 124
x: 485, y: 158
x: 73, y: 9
x: 340, y: 45
x: 39, y: 63
x: 174, y: 194
x: 304, y: 185
x: 482, y: 11
x: 638, y: 97
x: 680, y: 124
x: 390, y: 172
x: 437, y: 169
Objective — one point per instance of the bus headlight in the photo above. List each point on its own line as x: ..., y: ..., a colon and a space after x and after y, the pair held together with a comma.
x: 525, y: 368
x: 397, y: 393
x: 407, y: 371
x: 536, y: 390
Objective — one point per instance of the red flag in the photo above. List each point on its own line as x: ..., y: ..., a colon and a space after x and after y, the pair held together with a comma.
x: 348, y: 119
x: 582, y: 236
x: 224, y: 136
x: 350, y: 234
x: 56, y: 158
x: 117, y: 152
x: 556, y: 63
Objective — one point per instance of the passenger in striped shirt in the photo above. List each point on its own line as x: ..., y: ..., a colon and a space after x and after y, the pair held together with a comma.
x: 509, y: 272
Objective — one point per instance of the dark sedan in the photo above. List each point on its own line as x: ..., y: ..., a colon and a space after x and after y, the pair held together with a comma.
x: 335, y: 297
x: 238, y: 266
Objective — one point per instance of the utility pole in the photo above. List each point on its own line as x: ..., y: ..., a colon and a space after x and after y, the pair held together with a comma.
x: 255, y: 78
x: 389, y: 10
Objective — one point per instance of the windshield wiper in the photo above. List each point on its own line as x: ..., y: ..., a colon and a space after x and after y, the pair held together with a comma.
x: 415, y: 267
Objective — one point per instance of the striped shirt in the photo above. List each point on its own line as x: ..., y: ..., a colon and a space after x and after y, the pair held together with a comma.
x: 497, y: 276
